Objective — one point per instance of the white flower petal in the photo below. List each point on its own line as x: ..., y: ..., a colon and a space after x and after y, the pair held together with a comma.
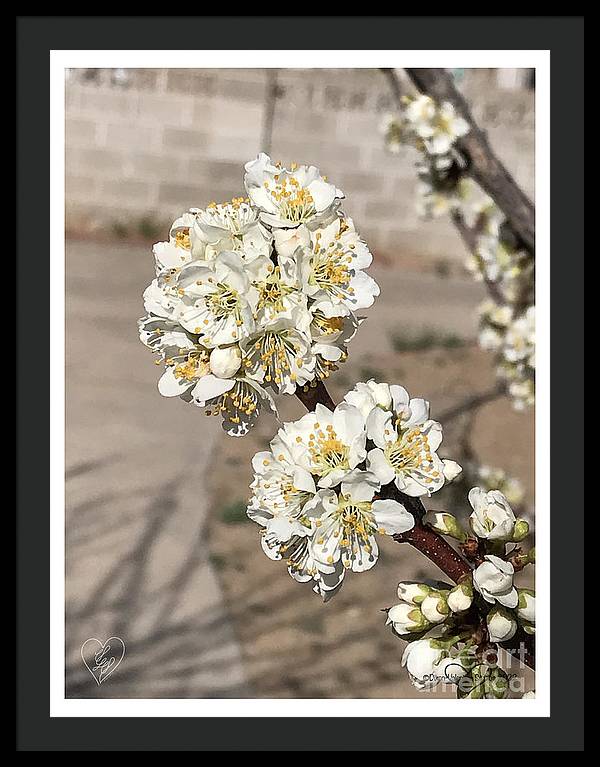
x: 377, y: 463
x: 392, y: 517
x: 170, y: 386
x: 210, y: 387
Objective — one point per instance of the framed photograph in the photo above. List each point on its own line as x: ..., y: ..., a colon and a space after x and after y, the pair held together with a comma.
x: 296, y: 317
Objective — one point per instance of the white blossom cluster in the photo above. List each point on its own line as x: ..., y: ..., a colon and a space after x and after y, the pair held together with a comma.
x: 257, y: 296
x: 453, y: 631
x: 507, y: 326
x: 512, y: 337
x: 507, y: 317
x: 433, y: 130
x: 497, y: 257
x: 330, y: 481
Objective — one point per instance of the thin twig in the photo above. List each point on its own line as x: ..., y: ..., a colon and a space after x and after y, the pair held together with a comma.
x: 394, y: 83
x: 471, y: 403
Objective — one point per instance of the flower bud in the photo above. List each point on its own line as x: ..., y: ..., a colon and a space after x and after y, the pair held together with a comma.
x: 225, y: 362
x: 521, y: 530
x: 444, y: 523
x: 501, y: 624
x: 493, y: 579
x: 492, y: 517
x: 461, y: 597
x: 406, y: 619
x: 410, y: 591
x: 435, y: 607
x: 421, y: 658
x: 451, y: 669
x: 526, y: 606
x: 528, y: 695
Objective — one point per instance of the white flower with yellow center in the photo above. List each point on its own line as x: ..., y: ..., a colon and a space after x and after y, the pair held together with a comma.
x: 345, y: 523
x: 165, y: 336
x: 181, y: 247
x: 197, y: 374
x: 215, y: 300
x: 280, y: 356
x: 188, y: 375
x: 280, y: 487
x: 184, y: 244
x: 331, y: 332
x: 278, y: 293
x: 160, y: 299
x: 289, y: 197
x: 240, y: 406
x: 492, y: 518
x: 170, y: 255
x: 332, y: 267
x: 280, y: 491
x: 438, y: 125
x: 327, y: 444
x: 231, y: 226
x: 406, y: 442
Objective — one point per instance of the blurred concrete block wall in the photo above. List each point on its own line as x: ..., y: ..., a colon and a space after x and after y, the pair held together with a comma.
x: 142, y: 145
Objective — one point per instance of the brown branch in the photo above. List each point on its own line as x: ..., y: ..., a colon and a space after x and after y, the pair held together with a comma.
x: 437, y: 549
x: 471, y: 403
x: 470, y: 238
x: 394, y: 84
x: 311, y: 395
x: 481, y: 162
x: 426, y: 540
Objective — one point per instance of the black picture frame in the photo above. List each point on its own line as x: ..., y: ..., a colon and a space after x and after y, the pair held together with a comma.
x: 35, y: 37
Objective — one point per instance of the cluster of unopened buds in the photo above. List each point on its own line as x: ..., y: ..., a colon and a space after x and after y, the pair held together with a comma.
x: 455, y: 632
x: 335, y: 480
x: 257, y: 296
x: 507, y: 319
